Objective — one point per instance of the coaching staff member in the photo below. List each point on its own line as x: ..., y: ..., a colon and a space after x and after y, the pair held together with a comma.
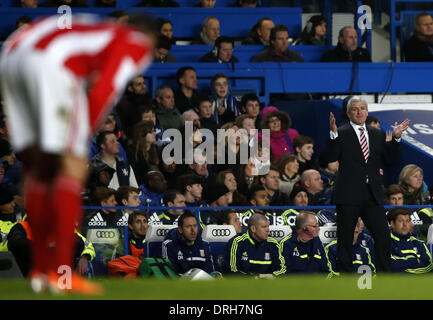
x: 363, y: 153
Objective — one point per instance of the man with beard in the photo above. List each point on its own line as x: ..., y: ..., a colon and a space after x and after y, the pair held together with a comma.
x: 419, y: 47
x: 132, y: 104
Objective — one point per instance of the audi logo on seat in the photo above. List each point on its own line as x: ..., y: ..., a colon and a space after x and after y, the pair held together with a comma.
x: 221, y: 232
x: 105, y: 234
x: 162, y: 232
x: 276, y: 233
x: 330, y: 234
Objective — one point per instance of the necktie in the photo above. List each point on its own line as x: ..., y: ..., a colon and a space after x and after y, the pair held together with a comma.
x: 364, y: 144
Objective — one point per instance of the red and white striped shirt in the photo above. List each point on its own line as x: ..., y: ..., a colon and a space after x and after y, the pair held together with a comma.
x: 105, y: 55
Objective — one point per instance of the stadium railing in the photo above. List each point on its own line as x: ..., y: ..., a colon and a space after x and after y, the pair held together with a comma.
x: 267, y: 78
x: 192, y: 53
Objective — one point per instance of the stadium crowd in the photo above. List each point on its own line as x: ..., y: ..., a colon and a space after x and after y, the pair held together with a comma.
x: 128, y: 167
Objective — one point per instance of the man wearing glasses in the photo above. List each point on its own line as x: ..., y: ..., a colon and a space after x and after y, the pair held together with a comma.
x: 302, y: 250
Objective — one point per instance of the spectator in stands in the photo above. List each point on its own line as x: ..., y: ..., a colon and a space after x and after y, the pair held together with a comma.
x: 191, y: 187
x: 278, y: 50
x: 23, y: 21
x: 28, y: 3
x: 419, y: 47
x: 260, y: 33
x: 105, y: 3
x: 347, y: 49
x: 329, y: 173
x: 108, y: 154
x: 184, y: 247
x: 10, y: 212
x: 210, y: 32
x: 302, y: 250
x: 216, y: 195
x: 152, y: 190
x: 138, y: 224
x: 227, y: 178
x: 314, y: 32
x: 394, y: 195
x: 254, y: 253
x: 304, y: 149
x: 250, y: 105
x: 172, y: 198
x: 222, y: 51
x: 203, y: 107
x: 415, y: 191
x: 132, y: 103
x: 165, y: 27
x: 161, y: 51
x: 408, y: 254
x: 373, y: 121
x: 71, y: 3
x: 247, y: 122
x: 100, y: 176
x: 228, y: 217
x: 120, y: 16
x: 105, y: 217
x: 127, y: 196
x: 257, y: 196
x: 13, y: 167
x: 246, y: 176
x: 299, y: 196
x: 206, y: 4
x: 167, y: 114
x: 289, y: 176
x: 224, y: 105
x: 186, y: 92
x: 142, y: 150
x: 191, y: 116
x: 158, y: 3
x: 361, y: 254
x: 271, y: 182
x: 282, y: 135
x: 149, y: 114
x: 312, y: 181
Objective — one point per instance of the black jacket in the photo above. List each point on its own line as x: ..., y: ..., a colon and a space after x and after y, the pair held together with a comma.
x: 211, y: 57
x: 340, y: 55
x: 416, y: 50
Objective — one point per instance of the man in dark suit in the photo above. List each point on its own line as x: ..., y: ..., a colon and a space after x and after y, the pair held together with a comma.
x: 362, y: 155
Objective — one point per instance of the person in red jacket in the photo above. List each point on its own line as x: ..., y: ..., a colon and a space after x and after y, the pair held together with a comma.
x: 59, y: 83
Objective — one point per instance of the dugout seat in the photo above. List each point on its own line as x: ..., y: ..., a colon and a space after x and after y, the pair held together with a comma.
x: 429, y: 240
x: 328, y: 234
x: 154, y: 237
x: 279, y: 232
x: 218, y: 236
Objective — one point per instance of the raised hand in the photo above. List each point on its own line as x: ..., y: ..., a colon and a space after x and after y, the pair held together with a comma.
x: 332, y: 123
x: 388, y: 137
x: 400, y: 128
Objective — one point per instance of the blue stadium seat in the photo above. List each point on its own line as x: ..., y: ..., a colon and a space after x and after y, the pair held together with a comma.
x: 154, y: 237
x: 218, y: 236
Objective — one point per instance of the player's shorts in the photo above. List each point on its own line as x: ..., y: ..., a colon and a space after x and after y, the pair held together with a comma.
x: 46, y: 104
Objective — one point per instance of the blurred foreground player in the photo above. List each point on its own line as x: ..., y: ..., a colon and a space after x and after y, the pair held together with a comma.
x: 59, y: 85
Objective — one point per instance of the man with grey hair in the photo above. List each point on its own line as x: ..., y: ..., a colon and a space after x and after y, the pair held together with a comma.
x: 302, y: 250
x: 347, y: 49
x: 166, y: 112
x: 192, y: 116
x: 254, y: 252
x: 210, y: 31
x: 363, y: 154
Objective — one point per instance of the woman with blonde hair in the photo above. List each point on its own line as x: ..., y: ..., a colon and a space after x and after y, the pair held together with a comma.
x: 414, y: 190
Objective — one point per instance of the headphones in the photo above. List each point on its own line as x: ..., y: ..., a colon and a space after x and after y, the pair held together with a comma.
x: 309, y: 26
x: 218, y: 43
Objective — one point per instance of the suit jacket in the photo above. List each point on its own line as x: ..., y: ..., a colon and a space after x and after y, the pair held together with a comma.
x: 353, y: 170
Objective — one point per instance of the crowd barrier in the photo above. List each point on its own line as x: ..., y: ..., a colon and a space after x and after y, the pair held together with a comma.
x: 192, y: 53
x: 111, y: 242
x: 309, y: 77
